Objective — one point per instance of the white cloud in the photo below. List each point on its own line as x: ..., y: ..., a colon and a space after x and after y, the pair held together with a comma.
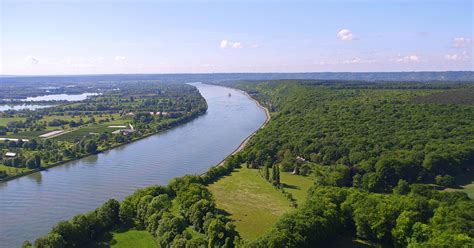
x: 224, y: 44
x: 352, y: 61
x: 460, y: 42
x: 407, y: 58
x: 119, y: 58
x: 458, y: 57
x: 31, y: 60
x: 345, y: 35
x: 237, y: 45
x: 229, y: 44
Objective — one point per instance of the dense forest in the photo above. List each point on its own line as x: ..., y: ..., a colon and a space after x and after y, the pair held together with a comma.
x: 370, y: 146
x: 380, y: 155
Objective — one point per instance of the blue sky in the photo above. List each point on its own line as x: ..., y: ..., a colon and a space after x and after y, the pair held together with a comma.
x: 88, y: 37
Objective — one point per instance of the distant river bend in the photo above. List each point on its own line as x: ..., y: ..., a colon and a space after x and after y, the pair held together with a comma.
x: 31, y: 205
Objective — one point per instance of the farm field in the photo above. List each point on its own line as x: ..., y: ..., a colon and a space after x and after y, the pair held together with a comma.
x: 251, y: 202
x: 95, y: 129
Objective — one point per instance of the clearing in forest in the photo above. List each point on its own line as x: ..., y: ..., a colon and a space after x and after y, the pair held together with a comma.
x: 251, y: 202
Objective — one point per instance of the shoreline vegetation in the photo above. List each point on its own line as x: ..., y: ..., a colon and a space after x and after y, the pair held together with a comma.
x: 44, y: 168
x: 88, y: 127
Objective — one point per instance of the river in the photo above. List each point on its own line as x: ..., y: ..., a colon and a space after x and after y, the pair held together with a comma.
x: 31, y: 205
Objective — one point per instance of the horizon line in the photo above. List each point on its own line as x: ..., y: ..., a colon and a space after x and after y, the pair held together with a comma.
x: 204, y: 73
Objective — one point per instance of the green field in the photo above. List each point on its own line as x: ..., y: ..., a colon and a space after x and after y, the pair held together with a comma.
x: 95, y: 129
x: 4, y: 121
x: 12, y: 170
x: 296, y: 185
x: 251, y: 202
x: 132, y: 238
x: 79, y: 133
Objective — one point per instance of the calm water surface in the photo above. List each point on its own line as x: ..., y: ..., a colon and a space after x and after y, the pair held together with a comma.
x: 31, y: 205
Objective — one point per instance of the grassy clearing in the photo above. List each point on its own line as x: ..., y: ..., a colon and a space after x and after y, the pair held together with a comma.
x: 124, y: 238
x: 13, y: 170
x: 4, y: 121
x: 466, y: 184
x: 468, y: 189
x: 252, y: 203
x: 132, y: 238
x: 349, y: 242
x: 194, y: 233
x: 296, y: 185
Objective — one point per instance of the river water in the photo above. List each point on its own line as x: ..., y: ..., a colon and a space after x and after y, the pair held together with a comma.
x: 31, y: 205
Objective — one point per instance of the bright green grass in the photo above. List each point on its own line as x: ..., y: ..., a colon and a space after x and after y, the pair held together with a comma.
x: 252, y: 203
x: 296, y: 185
x: 132, y: 238
x: 4, y: 121
x: 12, y: 171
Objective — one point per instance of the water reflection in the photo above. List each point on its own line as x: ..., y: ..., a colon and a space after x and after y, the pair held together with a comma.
x: 36, y: 177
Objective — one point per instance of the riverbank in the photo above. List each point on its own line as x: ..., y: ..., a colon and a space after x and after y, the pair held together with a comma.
x: 246, y: 140
x: 81, y: 186
x: 44, y: 168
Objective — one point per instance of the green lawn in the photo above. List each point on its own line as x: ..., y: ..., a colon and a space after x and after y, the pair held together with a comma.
x: 252, y: 203
x: 12, y: 171
x: 296, y: 185
x: 4, y: 121
x: 132, y: 238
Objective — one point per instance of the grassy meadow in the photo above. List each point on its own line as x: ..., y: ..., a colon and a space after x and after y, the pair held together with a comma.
x: 132, y: 238
x: 251, y: 202
x: 296, y: 185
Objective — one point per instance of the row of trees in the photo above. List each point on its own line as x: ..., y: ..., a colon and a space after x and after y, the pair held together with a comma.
x: 422, y: 218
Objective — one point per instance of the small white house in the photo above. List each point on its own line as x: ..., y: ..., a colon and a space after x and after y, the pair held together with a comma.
x: 10, y: 154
